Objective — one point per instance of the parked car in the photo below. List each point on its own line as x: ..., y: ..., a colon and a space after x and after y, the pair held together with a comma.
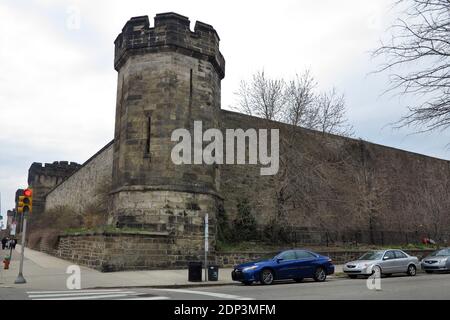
x: 384, y: 262
x: 290, y: 264
x: 437, y: 261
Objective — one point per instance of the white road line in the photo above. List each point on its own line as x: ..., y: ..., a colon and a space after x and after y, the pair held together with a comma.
x: 87, y: 297
x: 147, y: 298
x: 69, y: 294
x: 205, y: 293
x: 72, y: 291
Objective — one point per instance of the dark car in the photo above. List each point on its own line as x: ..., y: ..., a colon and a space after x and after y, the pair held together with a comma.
x: 290, y: 264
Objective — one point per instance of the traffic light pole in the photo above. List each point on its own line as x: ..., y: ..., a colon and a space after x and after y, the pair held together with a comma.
x: 20, y: 278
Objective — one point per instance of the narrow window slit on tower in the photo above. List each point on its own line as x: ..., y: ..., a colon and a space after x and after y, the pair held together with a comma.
x: 149, y: 131
x: 190, y: 88
x: 190, y: 99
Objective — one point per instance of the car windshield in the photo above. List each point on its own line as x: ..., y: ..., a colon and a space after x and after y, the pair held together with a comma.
x: 372, y: 255
x: 441, y: 253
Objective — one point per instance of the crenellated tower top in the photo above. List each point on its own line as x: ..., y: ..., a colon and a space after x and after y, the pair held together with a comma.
x: 171, y: 32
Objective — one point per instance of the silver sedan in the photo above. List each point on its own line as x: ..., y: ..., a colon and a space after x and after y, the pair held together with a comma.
x: 437, y: 261
x: 384, y: 262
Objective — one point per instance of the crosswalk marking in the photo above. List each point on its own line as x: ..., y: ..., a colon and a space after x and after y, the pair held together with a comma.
x: 106, y: 296
x: 80, y: 291
x: 148, y: 298
x: 75, y: 294
x: 91, y: 295
x: 206, y: 293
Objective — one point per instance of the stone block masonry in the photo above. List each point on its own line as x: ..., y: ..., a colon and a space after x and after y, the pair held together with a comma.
x: 87, y: 186
x: 42, y: 178
x: 112, y: 251
x: 170, y: 76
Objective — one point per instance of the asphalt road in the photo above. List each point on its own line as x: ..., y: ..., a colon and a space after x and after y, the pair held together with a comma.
x: 423, y: 286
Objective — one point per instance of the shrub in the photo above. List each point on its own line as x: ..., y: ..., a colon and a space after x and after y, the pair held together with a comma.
x: 244, y: 226
x: 224, y: 233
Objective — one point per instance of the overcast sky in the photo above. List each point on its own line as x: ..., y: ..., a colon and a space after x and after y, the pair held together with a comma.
x: 62, y: 79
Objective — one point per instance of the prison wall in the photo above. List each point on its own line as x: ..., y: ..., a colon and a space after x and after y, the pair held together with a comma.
x: 86, y: 186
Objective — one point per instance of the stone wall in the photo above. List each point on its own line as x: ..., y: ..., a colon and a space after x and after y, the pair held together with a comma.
x: 111, y: 251
x: 44, y: 177
x: 402, y: 171
x: 333, y: 184
x: 230, y: 259
x: 161, y: 210
x: 87, y: 185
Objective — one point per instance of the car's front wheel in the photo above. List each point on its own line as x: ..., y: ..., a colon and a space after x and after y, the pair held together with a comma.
x: 376, y: 270
x: 267, y: 276
x: 320, y: 275
x: 411, y: 270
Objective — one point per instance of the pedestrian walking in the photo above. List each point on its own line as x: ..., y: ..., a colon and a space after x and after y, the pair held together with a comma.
x: 14, y: 242
x: 4, y: 240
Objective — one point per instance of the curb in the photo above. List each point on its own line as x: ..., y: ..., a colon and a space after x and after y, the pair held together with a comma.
x: 169, y: 286
x: 189, y: 285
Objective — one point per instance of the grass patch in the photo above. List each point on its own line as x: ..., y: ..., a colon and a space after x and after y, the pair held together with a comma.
x: 104, y: 229
x: 253, y: 246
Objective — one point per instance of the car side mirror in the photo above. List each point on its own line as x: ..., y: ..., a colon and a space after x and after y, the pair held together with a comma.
x: 279, y: 259
x: 385, y: 258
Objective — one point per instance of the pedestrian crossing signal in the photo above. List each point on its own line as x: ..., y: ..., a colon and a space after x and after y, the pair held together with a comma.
x: 25, y: 203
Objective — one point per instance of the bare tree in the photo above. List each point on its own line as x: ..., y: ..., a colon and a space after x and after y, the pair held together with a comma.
x: 294, y: 102
x: 330, y: 114
x: 299, y: 98
x: 421, y: 43
x: 262, y: 97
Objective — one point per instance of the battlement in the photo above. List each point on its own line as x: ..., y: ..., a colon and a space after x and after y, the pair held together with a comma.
x: 56, y: 169
x: 171, y: 32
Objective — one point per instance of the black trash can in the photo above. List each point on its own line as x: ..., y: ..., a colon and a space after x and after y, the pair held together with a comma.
x: 195, y: 271
x: 213, y: 273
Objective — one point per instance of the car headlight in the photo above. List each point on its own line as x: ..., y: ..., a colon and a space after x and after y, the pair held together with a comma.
x: 363, y: 265
x: 250, y: 268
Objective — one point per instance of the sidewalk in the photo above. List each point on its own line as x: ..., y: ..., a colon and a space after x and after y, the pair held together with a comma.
x: 43, y: 271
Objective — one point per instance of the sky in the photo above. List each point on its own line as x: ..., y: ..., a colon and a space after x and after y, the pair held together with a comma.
x: 58, y: 84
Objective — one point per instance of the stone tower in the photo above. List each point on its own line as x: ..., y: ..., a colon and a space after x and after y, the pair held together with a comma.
x: 168, y: 77
x: 44, y: 177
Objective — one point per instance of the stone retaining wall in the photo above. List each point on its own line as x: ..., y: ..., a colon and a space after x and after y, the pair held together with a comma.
x: 109, y: 251
x: 230, y: 259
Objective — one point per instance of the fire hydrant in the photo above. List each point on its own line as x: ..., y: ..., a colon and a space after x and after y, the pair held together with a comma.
x: 6, y: 262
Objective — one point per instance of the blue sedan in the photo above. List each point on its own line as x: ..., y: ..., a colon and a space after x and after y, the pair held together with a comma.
x: 290, y: 264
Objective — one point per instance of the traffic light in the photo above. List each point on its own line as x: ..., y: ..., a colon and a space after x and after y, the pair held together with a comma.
x: 25, y: 203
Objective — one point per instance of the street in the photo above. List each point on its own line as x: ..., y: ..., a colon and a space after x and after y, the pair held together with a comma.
x: 433, y: 287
